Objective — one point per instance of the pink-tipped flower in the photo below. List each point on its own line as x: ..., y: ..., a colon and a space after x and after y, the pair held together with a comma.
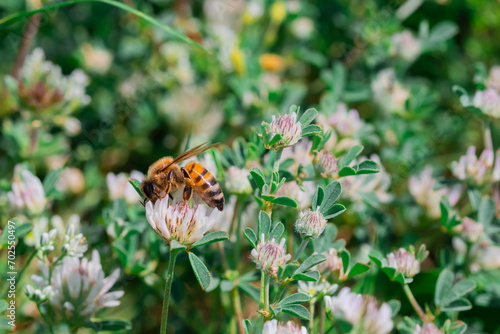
x: 288, y: 127
x: 332, y: 265
x: 428, y: 328
x: 237, y: 181
x: 27, y: 192
x: 273, y: 327
x: 488, y: 101
x: 361, y: 311
x: 179, y: 221
x: 270, y: 255
x: 404, y: 262
x: 405, y: 45
x: 119, y: 187
x: 470, y: 229
x: 327, y: 164
x: 310, y: 224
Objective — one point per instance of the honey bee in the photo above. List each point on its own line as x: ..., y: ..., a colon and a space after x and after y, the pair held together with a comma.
x: 166, y: 176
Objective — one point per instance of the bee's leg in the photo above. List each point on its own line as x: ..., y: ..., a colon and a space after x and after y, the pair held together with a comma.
x: 169, y: 184
x: 189, y: 184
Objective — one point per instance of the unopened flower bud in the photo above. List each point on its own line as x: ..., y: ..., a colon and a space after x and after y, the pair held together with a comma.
x: 310, y: 224
x: 47, y: 241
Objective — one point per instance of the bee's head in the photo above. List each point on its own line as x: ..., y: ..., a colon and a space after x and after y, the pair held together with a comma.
x: 149, y: 190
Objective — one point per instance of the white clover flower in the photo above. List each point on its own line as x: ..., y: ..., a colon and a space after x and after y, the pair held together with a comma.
x: 287, y: 126
x: 179, y: 221
x: 302, y: 28
x: 47, y: 241
x: 486, y: 257
x: 310, y: 224
x: 470, y: 229
x: 404, y: 262
x: 273, y: 327
x: 27, y: 192
x: 493, y: 80
x: 71, y: 181
x: 38, y: 295
x: 428, y: 328
x: 388, y: 92
x: 96, y: 59
x: 119, y: 187
x: 80, y: 288
x: 361, y: 311
x: 345, y: 122
x: 421, y: 187
x: 469, y: 167
x: 269, y: 255
x: 405, y: 45
x: 237, y: 181
x: 317, y: 290
x: 332, y: 265
x: 327, y: 164
x: 488, y: 101
x: 74, y: 243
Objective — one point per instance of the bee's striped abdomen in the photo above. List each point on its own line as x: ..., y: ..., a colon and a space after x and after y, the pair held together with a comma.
x: 205, y: 185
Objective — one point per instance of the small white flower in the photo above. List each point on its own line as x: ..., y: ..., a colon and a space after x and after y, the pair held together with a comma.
x: 470, y: 229
x: 345, y: 122
x: 273, y: 327
x: 27, y: 192
x: 302, y: 28
x: 404, y: 262
x: 469, y: 167
x: 310, y: 224
x: 38, y: 295
x: 71, y: 180
x: 405, y: 45
x: 237, y: 181
x: 488, y: 101
x: 119, y: 187
x: 287, y: 126
x: 97, y: 60
x: 269, y: 255
x: 80, y: 288
x: 47, y: 241
x: 361, y: 311
x: 493, y: 81
x: 179, y: 221
x: 74, y: 243
x: 332, y: 265
x: 388, y: 92
x: 428, y: 328
x: 317, y: 290
x: 327, y: 164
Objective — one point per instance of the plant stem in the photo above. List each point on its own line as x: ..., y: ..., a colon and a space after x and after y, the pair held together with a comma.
x: 322, y: 313
x: 235, y: 294
x: 277, y: 158
x: 26, y: 265
x: 237, y: 247
x: 414, y: 303
x: 311, y: 320
x: 262, y: 286
x: 302, y: 246
x: 264, y: 295
x: 168, y: 287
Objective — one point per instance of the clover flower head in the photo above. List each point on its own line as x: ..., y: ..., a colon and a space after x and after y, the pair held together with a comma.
x: 470, y: 229
x: 427, y: 328
x: 406, y: 45
x: 179, y: 221
x: 404, y: 262
x: 332, y: 265
x: 310, y: 224
x: 363, y: 312
x: 327, y: 164
x: 488, y: 101
x: 288, y: 127
x: 27, y: 191
x: 237, y: 181
x: 270, y: 255
x: 273, y: 327
x: 38, y: 295
x: 74, y: 243
x: 47, y: 241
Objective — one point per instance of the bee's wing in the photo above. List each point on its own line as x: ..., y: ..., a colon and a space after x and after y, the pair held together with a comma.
x: 189, y: 153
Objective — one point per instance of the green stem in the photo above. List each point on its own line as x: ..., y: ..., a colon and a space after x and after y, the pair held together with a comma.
x: 168, y: 287
x: 414, y: 303
x: 277, y: 159
x: 311, y: 320
x: 235, y: 294
x: 264, y: 294
x: 467, y: 260
x: 302, y: 246
x: 237, y: 247
x: 26, y: 265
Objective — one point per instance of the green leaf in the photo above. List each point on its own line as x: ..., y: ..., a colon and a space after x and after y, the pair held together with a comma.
x: 211, y: 238
x: 226, y: 285
x: 298, y: 311
x: 264, y: 224
x: 308, y: 116
x: 258, y: 177
x: 175, y: 246
x: 458, y: 290
x: 285, y: 200
x: 251, y: 291
x: 3, y: 305
x: 358, y: 268
x: 346, y: 259
x: 310, y: 276
x: 347, y: 171
x: 461, y: 304
x: 332, y: 193
x: 277, y: 231
x: 311, y: 130
x: 49, y: 183
x: 21, y: 230
x: 350, y: 156
x: 376, y: 257
x: 442, y: 32
x: 288, y: 271
x: 325, y: 240
x: 334, y: 211
x: 247, y: 325
x: 443, y: 286
x: 487, y: 211
x: 109, y: 325
x: 200, y: 270
x: 276, y: 138
x: 137, y: 186
x: 368, y: 167
x: 297, y: 298
x: 251, y: 237
x: 310, y: 262
x: 318, y: 197
x: 21, y: 15
x: 395, y: 306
